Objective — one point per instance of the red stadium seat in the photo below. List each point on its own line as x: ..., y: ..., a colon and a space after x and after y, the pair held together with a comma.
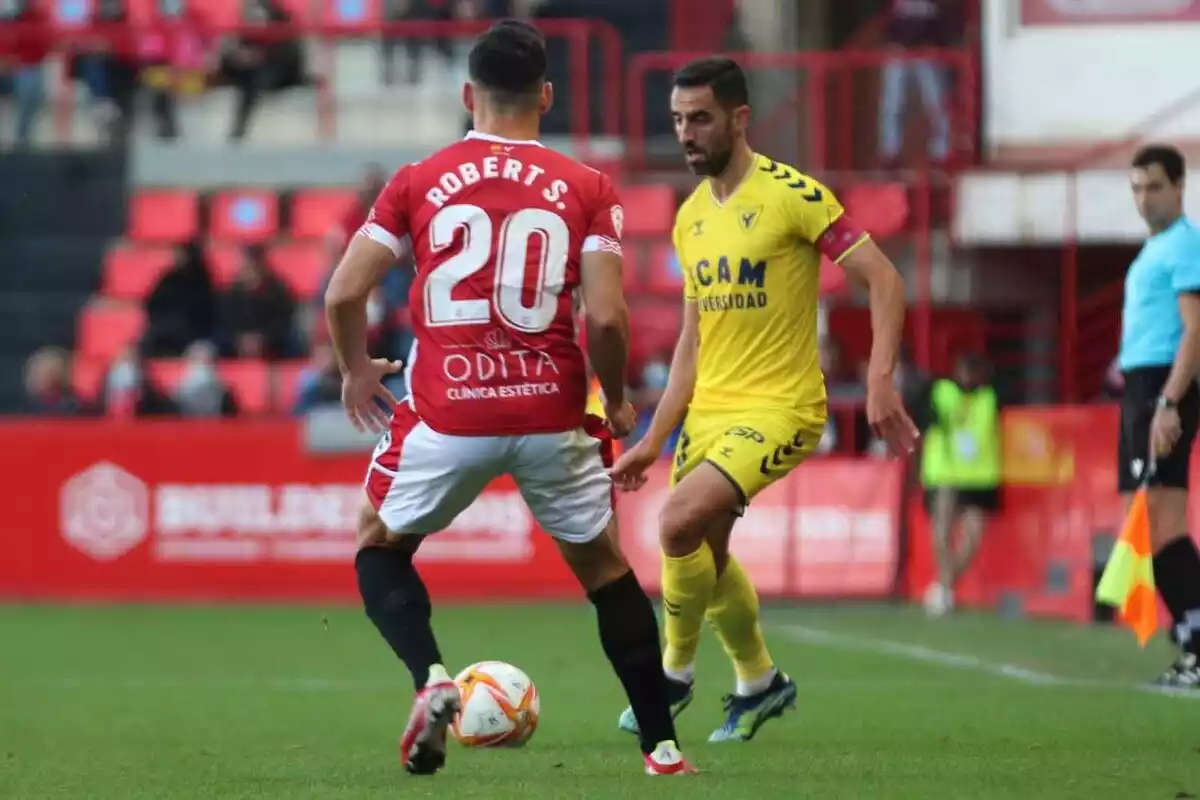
x: 315, y: 212
x: 166, y: 373
x: 664, y: 273
x: 302, y: 266
x: 164, y: 216
x: 224, y: 261
x: 106, y: 328
x: 70, y: 14
x: 244, y: 215
x: 633, y: 277
x: 131, y: 272
x: 655, y: 327
x: 250, y: 382
x: 880, y: 208
x: 87, y: 376
x: 365, y: 14
x: 649, y: 210
x: 287, y: 385
x: 217, y: 13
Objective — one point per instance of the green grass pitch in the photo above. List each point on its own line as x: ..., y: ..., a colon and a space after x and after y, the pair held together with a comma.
x: 207, y: 702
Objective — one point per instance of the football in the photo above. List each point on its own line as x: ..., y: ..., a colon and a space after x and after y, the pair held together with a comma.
x: 499, y: 706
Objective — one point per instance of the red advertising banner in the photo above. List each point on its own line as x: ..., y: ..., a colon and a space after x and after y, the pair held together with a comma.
x: 829, y: 529
x: 228, y: 511
x: 1059, y: 496
x: 241, y: 511
x: 1085, y: 12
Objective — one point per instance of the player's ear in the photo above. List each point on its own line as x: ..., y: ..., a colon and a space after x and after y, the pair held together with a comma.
x: 741, y: 118
x: 468, y: 97
x: 547, y: 99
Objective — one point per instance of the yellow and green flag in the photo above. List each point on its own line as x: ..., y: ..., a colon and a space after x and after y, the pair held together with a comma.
x: 1128, y: 580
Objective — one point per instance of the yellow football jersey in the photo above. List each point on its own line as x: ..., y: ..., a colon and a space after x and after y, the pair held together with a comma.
x: 752, y: 265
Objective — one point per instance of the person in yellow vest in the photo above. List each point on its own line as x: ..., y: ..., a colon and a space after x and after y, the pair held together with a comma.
x: 960, y: 471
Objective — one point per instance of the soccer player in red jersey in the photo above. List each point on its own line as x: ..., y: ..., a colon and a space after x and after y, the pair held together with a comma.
x: 505, y: 232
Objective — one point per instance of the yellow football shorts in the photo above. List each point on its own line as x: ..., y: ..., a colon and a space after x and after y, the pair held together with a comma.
x: 753, y: 448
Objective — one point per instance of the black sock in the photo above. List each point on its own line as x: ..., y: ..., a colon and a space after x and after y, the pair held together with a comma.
x: 629, y: 634
x: 1177, y: 573
x: 397, y: 602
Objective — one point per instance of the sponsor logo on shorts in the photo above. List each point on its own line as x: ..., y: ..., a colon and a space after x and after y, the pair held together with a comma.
x: 742, y: 432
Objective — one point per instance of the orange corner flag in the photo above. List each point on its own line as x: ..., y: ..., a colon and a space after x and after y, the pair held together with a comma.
x: 1128, y: 580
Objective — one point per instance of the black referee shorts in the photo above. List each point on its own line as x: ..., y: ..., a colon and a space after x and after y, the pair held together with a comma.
x: 1142, y: 388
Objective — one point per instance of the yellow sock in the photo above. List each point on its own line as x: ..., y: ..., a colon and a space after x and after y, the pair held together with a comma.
x: 687, y: 585
x: 733, y: 613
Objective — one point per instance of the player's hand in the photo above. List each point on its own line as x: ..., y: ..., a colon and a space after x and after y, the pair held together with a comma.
x: 1165, y: 430
x: 622, y: 419
x: 362, y: 391
x: 629, y: 473
x: 887, y: 417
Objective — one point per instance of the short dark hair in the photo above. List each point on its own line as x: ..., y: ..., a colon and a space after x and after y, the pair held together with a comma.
x: 1166, y: 156
x: 508, y: 61
x: 723, y: 75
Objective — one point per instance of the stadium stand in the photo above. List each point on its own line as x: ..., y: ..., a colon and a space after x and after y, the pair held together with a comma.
x: 291, y: 224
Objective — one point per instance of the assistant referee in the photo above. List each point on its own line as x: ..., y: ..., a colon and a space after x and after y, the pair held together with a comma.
x: 1160, y: 407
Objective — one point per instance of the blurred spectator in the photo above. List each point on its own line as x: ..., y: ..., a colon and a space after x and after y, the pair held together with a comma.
x: 414, y: 46
x: 392, y: 334
x: 21, y: 63
x: 48, y: 389
x: 257, y: 311
x: 108, y: 67
x: 177, y: 61
x: 181, y: 308
x: 320, y: 384
x: 260, y: 62
x: 201, y: 392
x: 129, y: 392
x: 374, y: 178
x: 961, y: 472
x: 652, y: 382
x: 916, y: 24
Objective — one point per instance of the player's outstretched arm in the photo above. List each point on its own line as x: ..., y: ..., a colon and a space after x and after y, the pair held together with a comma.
x: 867, y: 265
x: 681, y: 383
x: 361, y: 268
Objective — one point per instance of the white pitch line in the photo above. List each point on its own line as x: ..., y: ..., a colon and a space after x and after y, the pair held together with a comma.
x: 945, y: 658
x: 285, y: 685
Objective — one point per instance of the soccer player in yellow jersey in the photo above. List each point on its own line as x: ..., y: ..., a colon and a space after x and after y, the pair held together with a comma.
x: 745, y: 379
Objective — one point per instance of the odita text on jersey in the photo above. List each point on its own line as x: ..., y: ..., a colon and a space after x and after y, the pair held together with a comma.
x: 495, y: 167
x: 533, y: 370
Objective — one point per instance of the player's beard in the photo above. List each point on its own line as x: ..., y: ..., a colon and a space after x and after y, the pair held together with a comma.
x: 714, y: 160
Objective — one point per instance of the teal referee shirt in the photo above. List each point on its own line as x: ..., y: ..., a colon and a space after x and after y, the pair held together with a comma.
x: 1151, y: 326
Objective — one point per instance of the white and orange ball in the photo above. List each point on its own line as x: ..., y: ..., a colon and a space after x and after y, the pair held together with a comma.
x: 500, y: 706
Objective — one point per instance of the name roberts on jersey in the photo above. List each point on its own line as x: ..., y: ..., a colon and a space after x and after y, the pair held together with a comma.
x: 498, y: 229
x: 505, y: 168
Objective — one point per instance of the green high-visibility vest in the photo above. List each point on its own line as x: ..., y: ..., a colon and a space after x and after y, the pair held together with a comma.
x: 962, y: 447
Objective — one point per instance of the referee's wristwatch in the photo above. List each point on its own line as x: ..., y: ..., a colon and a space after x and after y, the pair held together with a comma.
x: 1165, y: 402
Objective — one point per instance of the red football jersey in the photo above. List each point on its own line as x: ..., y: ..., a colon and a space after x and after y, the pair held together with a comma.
x: 498, y: 228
